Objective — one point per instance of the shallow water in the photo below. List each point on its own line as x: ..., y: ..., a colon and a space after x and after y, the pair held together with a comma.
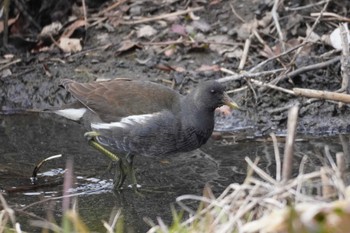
x: 27, y: 139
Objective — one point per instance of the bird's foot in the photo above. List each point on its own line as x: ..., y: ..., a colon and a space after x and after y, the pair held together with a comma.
x: 91, y: 135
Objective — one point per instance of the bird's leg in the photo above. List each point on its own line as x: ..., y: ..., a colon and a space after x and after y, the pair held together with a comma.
x: 119, y: 180
x: 131, y: 171
x: 90, y: 136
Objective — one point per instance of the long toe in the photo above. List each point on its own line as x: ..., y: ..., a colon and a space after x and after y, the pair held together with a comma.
x: 120, y: 176
x: 91, y: 135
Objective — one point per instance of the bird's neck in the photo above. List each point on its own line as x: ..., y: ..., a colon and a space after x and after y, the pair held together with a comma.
x: 201, y: 118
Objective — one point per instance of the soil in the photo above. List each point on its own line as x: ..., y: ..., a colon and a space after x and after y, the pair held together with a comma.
x: 33, y: 82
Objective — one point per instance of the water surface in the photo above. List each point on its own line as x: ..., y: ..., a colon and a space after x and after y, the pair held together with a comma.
x: 27, y: 139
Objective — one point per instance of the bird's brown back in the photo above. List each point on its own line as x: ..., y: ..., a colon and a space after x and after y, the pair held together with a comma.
x: 118, y: 98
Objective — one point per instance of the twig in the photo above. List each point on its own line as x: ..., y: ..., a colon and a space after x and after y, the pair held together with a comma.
x: 7, y: 209
x: 10, y: 63
x: 289, y: 146
x: 311, y: 30
x: 245, y: 52
x: 254, y: 92
x: 331, y: 14
x: 275, y: 17
x: 236, y: 14
x: 326, y: 95
x: 174, y: 42
x: 299, y: 178
x: 306, y: 69
x: 280, y: 109
x: 259, y: 83
x: 237, y: 90
x: 261, y: 64
x: 305, y: 7
x: 85, y: 14
x: 113, y: 6
x: 277, y: 156
x: 260, y: 172
x: 159, y: 17
x: 327, y: 190
x: 247, y: 75
x: 6, y: 10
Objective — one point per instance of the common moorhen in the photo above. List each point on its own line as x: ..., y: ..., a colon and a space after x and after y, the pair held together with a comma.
x: 144, y: 118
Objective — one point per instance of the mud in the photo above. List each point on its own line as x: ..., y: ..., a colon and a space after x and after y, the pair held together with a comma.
x: 33, y: 82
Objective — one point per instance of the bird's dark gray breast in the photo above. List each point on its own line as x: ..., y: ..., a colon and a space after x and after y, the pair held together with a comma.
x: 163, y: 134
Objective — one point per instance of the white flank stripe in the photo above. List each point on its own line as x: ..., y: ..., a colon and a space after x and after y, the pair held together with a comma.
x: 125, y: 122
x: 71, y: 113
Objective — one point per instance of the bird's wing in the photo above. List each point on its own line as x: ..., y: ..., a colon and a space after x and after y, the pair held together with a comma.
x: 115, y: 99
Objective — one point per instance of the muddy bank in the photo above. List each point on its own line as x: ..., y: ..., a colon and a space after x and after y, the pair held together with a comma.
x: 218, y: 31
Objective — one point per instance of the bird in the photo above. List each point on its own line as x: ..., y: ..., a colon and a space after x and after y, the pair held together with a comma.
x: 142, y: 118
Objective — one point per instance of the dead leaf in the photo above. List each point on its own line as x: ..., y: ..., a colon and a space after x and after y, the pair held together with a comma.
x: 70, y: 45
x: 224, y: 110
x: 9, y: 56
x: 126, y: 45
x: 146, y: 31
x: 179, y: 69
x: 178, y: 29
x: 276, y: 50
x: 204, y: 68
x: 335, y: 37
x: 237, y: 53
x: 168, y: 68
x: 71, y: 28
x: 10, y: 22
x: 214, y: 2
x: 267, y: 52
x: 5, y: 73
x: 164, y: 67
x: 164, y: 161
x: 246, y: 29
x: 220, y: 44
x: 51, y: 29
x: 313, y: 36
x: 201, y: 25
x: 193, y: 16
x: 170, y: 51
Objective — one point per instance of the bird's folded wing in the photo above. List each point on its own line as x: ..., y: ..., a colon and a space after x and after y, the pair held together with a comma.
x: 113, y: 100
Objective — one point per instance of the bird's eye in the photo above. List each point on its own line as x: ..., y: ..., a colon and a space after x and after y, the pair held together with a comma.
x: 212, y: 91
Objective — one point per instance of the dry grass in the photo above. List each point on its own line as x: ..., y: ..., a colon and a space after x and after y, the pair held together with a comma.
x: 263, y: 204
x: 314, y: 202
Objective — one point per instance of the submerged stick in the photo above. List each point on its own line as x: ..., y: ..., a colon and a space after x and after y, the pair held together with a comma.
x: 289, y: 146
x: 40, y: 164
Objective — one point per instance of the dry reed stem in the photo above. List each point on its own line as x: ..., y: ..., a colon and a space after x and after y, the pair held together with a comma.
x: 325, y: 95
x: 345, y: 59
x: 289, y: 145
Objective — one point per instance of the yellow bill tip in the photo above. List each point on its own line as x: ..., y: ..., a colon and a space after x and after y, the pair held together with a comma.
x: 229, y: 102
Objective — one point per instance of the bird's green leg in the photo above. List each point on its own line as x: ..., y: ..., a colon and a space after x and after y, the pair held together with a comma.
x: 90, y: 137
x: 120, y: 177
x: 131, y: 171
x: 119, y: 180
